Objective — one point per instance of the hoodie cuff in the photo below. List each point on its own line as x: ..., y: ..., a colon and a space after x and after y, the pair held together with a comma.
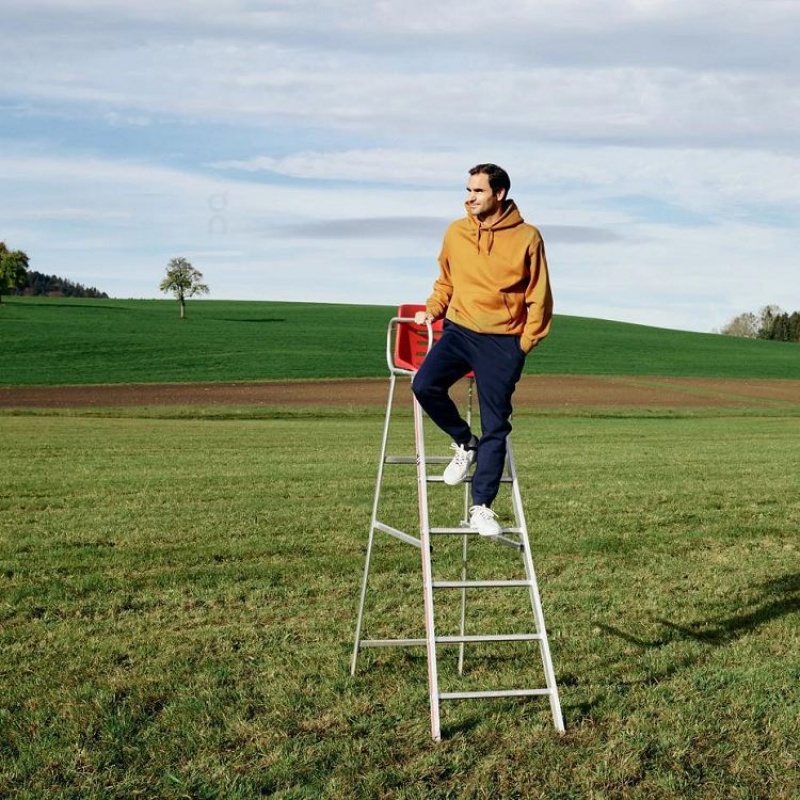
x: 526, y: 346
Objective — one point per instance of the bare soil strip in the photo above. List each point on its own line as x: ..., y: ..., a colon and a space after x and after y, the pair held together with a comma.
x: 543, y: 391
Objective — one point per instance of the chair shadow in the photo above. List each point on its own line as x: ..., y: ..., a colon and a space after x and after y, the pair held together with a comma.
x: 778, y: 597
x: 781, y: 596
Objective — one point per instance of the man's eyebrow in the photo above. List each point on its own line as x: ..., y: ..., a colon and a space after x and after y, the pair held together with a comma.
x: 478, y: 189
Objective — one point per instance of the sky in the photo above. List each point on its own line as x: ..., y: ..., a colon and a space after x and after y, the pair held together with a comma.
x: 316, y: 151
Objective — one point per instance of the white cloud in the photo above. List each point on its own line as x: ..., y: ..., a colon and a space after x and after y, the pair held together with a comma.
x: 282, y: 143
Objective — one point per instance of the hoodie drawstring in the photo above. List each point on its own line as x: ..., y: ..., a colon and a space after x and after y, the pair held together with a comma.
x: 489, y: 239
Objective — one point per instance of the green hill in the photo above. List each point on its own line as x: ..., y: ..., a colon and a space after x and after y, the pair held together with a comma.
x: 49, y: 341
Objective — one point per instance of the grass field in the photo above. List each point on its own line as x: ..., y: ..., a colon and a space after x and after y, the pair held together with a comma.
x: 50, y: 341
x: 178, y: 593
x: 178, y: 586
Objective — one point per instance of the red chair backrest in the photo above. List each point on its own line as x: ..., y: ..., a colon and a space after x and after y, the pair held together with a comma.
x: 411, y: 340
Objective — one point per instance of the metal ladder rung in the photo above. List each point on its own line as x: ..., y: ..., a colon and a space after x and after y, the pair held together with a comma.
x: 465, y: 639
x: 466, y: 529
x: 405, y: 537
x: 468, y: 479
x: 413, y: 460
x: 497, y: 693
x: 479, y: 584
x: 489, y: 637
x: 392, y: 642
x: 463, y: 529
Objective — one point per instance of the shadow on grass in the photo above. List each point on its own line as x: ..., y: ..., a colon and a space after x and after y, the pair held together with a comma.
x: 781, y: 596
x: 775, y: 598
x: 256, y: 320
x: 784, y: 598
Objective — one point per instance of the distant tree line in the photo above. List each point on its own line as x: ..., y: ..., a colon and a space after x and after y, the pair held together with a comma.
x: 17, y: 279
x: 37, y: 283
x: 771, y: 322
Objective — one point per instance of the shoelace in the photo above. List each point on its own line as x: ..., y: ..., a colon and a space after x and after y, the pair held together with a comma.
x: 461, y: 457
x: 482, y: 511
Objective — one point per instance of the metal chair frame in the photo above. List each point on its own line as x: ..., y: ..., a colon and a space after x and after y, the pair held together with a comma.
x: 403, y: 333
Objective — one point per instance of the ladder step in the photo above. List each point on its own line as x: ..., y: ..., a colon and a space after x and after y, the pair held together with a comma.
x: 468, y: 479
x: 498, y: 693
x: 466, y: 639
x: 413, y: 460
x: 392, y: 642
x: 434, y: 460
x: 479, y: 584
x: 489, y: 637
x: 466, y: 529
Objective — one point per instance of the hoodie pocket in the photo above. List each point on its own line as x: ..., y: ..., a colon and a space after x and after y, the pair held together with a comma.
x: 515, y: 307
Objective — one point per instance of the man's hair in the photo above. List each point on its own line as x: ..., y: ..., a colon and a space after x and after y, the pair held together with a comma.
x: 498, y: 177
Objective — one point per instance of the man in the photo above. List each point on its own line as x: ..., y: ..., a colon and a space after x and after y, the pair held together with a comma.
x: 493, y: 291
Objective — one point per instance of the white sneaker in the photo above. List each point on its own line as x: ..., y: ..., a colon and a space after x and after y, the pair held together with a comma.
x: 484, y: 520
x: 458, y: 469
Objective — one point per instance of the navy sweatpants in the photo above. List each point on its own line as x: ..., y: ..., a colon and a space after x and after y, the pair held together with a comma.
x: 497, y: 362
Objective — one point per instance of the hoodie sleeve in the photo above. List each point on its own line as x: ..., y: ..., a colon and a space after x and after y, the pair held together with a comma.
x: 538, y: 298
x: 439, y: 300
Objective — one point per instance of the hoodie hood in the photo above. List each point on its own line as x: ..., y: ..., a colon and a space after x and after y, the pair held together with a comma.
x: 484, y: 234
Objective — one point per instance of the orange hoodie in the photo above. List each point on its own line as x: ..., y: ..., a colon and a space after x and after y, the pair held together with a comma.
x: 494, y: 279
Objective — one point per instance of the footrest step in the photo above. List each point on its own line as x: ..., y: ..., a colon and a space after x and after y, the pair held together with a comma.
x: 466, y: 529
x: 413, y: 460
x: 462, y: 529
x: 392, y: 642
x: 468, y: 479
x: 483, y: 637
x: 489, y: 637
x: 499, y: 693
x: 478, y: 584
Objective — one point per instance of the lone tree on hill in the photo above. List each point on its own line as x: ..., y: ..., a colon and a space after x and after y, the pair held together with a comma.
x: 13, y: 268
x: 183, y: 280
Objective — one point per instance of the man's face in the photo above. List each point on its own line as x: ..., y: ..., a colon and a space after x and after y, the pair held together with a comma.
x: 481, y: 201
